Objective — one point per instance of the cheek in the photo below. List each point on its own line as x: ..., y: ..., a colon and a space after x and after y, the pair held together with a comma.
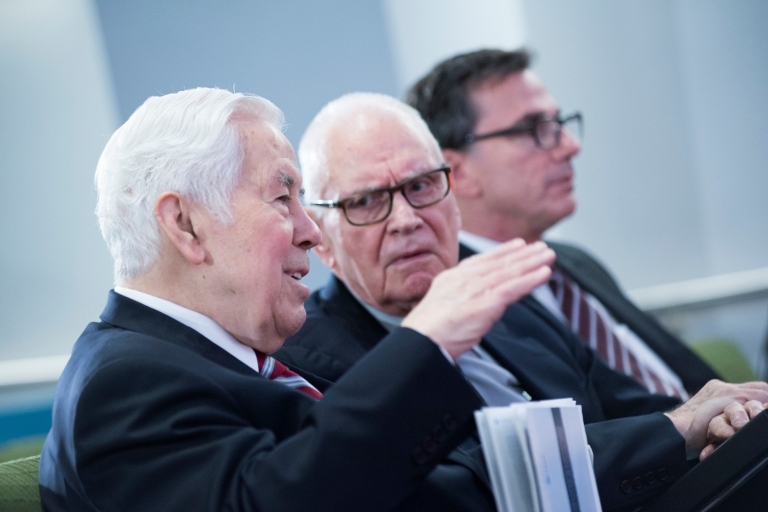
x: 361, y: 248
x: 445, y: 225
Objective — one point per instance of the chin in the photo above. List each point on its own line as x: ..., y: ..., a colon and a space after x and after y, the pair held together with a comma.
x: 416, y: 288
x: 289, y: 325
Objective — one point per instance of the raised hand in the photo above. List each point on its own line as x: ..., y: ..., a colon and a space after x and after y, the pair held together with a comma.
x: 463, y: 302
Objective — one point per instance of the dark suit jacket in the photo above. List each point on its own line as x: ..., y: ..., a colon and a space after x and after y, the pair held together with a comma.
x: 150, y: 415
x: 594, y: 278
x: 630, y: 437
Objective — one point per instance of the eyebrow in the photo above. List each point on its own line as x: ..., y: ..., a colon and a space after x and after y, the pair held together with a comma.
x: 368, y: 190
x: 534, y: 116
x: 285, y: 179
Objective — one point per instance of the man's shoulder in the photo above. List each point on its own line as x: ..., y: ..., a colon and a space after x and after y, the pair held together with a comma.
x: 571, y: 251
x: 327, y: 344
x: 583, y: 266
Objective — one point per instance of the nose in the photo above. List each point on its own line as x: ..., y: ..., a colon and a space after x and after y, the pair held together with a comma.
x: 404, y: 218
x: 306, y: 234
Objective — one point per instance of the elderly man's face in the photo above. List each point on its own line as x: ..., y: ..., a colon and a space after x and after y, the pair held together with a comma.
x: 529, y: 185
x: 390, y: 265
x: 256, y: 262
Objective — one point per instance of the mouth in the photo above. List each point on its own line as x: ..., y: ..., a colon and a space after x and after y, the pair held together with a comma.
x: 563, y: 178
x: 297, y: 274
x: 410, y: 256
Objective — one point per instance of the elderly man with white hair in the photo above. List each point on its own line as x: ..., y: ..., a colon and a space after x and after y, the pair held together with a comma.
x: 379, y: 189
x: 172, y: 401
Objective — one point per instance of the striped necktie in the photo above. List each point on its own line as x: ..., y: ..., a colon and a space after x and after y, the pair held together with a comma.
x: 595, y: 330
x: 274, y: 370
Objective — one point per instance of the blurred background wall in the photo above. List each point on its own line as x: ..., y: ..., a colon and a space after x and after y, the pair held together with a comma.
x: 672, y: 181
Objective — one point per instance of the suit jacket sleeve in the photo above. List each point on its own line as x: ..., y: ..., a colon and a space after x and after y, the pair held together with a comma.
x: 152, y: 433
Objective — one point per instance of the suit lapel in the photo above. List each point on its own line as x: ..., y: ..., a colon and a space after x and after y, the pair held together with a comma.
x: 337, y: 301
x: 535, y: 364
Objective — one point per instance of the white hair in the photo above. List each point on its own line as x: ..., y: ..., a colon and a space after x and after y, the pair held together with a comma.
x: 188, y: 142
x: 313, y: 148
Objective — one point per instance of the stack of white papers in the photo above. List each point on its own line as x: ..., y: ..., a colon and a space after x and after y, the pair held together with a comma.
x: 538, y: 458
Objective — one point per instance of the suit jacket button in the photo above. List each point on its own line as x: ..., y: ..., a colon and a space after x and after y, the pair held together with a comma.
x: 419, y: 456
x: 430, y: 445
x: 626, y: 486
x: 440, y: 434
x: 637, y: 483
x: 650, y: 478
x: 661, y: 474
x: 449, y: 422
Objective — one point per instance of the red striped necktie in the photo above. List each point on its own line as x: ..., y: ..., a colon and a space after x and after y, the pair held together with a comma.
x: 595, y: 330
x: 274, y: 370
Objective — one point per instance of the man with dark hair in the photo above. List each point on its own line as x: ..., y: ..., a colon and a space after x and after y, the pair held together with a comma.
x: 510, y: 151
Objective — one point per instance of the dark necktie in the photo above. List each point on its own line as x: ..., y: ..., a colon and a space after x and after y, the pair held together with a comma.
x: 594, y: 331
x: 274, y: 370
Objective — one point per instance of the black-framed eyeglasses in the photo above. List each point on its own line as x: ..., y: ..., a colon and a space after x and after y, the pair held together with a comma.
x: 375, y: 205
x: 545, y: 130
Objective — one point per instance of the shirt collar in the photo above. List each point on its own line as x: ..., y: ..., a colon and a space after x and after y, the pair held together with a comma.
x: 476, y: 242
x: 389, y: 322
x: 196, y: 321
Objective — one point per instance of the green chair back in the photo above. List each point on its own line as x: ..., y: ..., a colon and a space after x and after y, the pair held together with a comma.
x: 19, y: 491
x: 20, y: 448
x: 726, y: 359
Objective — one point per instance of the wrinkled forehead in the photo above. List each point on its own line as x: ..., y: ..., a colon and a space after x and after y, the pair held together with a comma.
x: 377, y: 149
x: 267, y: 154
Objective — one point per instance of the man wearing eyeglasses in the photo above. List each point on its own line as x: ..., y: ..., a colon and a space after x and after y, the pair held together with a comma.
x: 510, y: 150
x: 378, y: 188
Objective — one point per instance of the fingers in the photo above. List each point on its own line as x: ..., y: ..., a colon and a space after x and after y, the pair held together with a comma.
x: 719, y: 429
x: 753, y: 408
x: 478, y: 276
x: 512, y: 266
x: 733, y: 418
x: 736, y: 415
x: 707, y: 451
x: 515, y: 289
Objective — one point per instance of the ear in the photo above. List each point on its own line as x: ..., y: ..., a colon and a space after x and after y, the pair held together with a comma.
x: 465, y: 183
x: 174, y: 215
x: 323, y: 250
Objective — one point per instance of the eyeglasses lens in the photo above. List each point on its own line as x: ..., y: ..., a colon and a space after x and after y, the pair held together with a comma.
x: 368, y: 208
x: 426, y: 189
x: 549, y: 131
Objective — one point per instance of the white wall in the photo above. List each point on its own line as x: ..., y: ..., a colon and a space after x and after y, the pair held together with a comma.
x: 57, y: 111
x: 424, y: 32
x: 724, y: 49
